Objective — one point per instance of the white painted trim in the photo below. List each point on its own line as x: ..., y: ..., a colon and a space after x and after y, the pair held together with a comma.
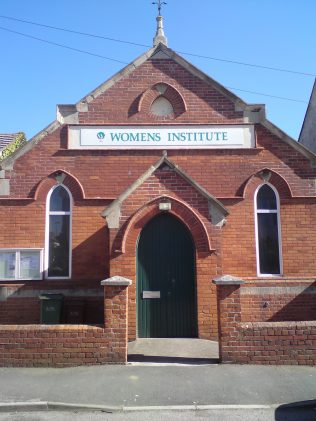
x: 277, y: 211
x: 17, y: 252
x: 48, y: 213
x: 21, y: 248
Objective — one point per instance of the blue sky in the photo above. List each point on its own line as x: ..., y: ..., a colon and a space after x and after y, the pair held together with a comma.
x: 36, y: 76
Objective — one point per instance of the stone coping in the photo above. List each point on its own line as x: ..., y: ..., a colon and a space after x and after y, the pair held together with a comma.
x: 228, y: 280
x: 284, y: 324
x: 116, y: 281
x: 40, y: 327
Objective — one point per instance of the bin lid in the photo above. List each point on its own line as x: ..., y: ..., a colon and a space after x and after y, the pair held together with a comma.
x: 51, y: 296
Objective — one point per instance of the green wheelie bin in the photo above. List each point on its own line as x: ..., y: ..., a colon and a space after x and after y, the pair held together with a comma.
x: 51, y: 305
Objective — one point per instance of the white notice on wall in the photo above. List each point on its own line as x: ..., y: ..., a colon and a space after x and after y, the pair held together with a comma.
x: 161, y: 137
x: 30, y: 264
x: 7, y: 265
x: 25, y: 262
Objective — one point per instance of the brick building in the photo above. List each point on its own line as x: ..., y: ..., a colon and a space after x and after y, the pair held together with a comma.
x: 164, y: 177
x: 308, y: 133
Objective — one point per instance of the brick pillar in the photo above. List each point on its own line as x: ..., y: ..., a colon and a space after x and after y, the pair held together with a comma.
x: 115, y: 316
x: 229, y: 316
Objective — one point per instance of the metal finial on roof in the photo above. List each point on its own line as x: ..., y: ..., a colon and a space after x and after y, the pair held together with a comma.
x: 159, y: 4
x: 160, y: 35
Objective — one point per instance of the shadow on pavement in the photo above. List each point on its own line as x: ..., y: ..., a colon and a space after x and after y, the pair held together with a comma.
x: 297, y: 411
x: 140, y: 358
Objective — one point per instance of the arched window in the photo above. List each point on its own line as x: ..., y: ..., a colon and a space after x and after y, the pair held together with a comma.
x: 161, y: 107
x: 58, y: 233
x: 268, y: 238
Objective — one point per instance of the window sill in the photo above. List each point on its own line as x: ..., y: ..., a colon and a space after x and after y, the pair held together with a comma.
x: 268, y: 276
x: 20, y: 280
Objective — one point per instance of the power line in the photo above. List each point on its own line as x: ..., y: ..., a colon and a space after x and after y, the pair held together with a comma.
x: 62, y: 45
x: 271, y: 96
x: 57, y: 28
x: 123, y: 62
x: 276, y: 69
x: 259, y: 66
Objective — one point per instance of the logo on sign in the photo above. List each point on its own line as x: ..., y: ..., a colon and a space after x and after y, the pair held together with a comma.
x: 100, y: 135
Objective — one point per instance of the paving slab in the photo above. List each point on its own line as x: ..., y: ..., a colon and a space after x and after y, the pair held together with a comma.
x: 176, y: 350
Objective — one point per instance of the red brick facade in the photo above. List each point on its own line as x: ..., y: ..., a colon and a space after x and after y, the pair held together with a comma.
x: 96, y: 178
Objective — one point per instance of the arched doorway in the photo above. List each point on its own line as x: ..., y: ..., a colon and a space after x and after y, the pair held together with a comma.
x: 166, y: 293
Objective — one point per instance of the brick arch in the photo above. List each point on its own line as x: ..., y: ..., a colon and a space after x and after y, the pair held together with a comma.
x: 277, y: 180
x: 69, y: 181
x: 171, y: 94
x: 178, y: 209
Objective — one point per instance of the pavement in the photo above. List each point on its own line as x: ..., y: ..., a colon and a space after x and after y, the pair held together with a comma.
x: 173, y: 351
x: 154, y: 385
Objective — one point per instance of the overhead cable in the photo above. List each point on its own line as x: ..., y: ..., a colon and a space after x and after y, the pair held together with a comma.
x: 271, y: 96
x: 57, y: 28
x: 62, y: 45
x: 240, y: 63
x: 123, y: 62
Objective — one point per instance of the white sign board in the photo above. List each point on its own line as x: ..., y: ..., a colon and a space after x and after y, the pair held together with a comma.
x: 161, y: 137
x: 151, y: 294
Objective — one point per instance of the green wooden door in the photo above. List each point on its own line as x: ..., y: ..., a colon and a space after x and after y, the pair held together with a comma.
x: 166, y: 298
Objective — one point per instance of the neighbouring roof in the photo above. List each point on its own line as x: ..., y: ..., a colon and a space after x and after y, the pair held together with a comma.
x: 308, y: 132
x: 6, y: 138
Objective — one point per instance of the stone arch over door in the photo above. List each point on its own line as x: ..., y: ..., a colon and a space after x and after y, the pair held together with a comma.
x: 123, y: 261
x: 179, y: 209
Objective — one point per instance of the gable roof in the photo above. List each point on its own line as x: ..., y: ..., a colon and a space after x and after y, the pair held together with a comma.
x: 68, y: 114
x: 307, y: 136
x: 164, y: 160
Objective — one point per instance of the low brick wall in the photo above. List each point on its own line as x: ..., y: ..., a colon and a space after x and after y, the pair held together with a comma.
x: 59, y: 346
x: 286, y: 343
x: 71, y: 345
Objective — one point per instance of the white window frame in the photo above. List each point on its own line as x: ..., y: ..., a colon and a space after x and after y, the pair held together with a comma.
x: 261, y: 211
x: 17, y: 252
x: 48, y: 214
